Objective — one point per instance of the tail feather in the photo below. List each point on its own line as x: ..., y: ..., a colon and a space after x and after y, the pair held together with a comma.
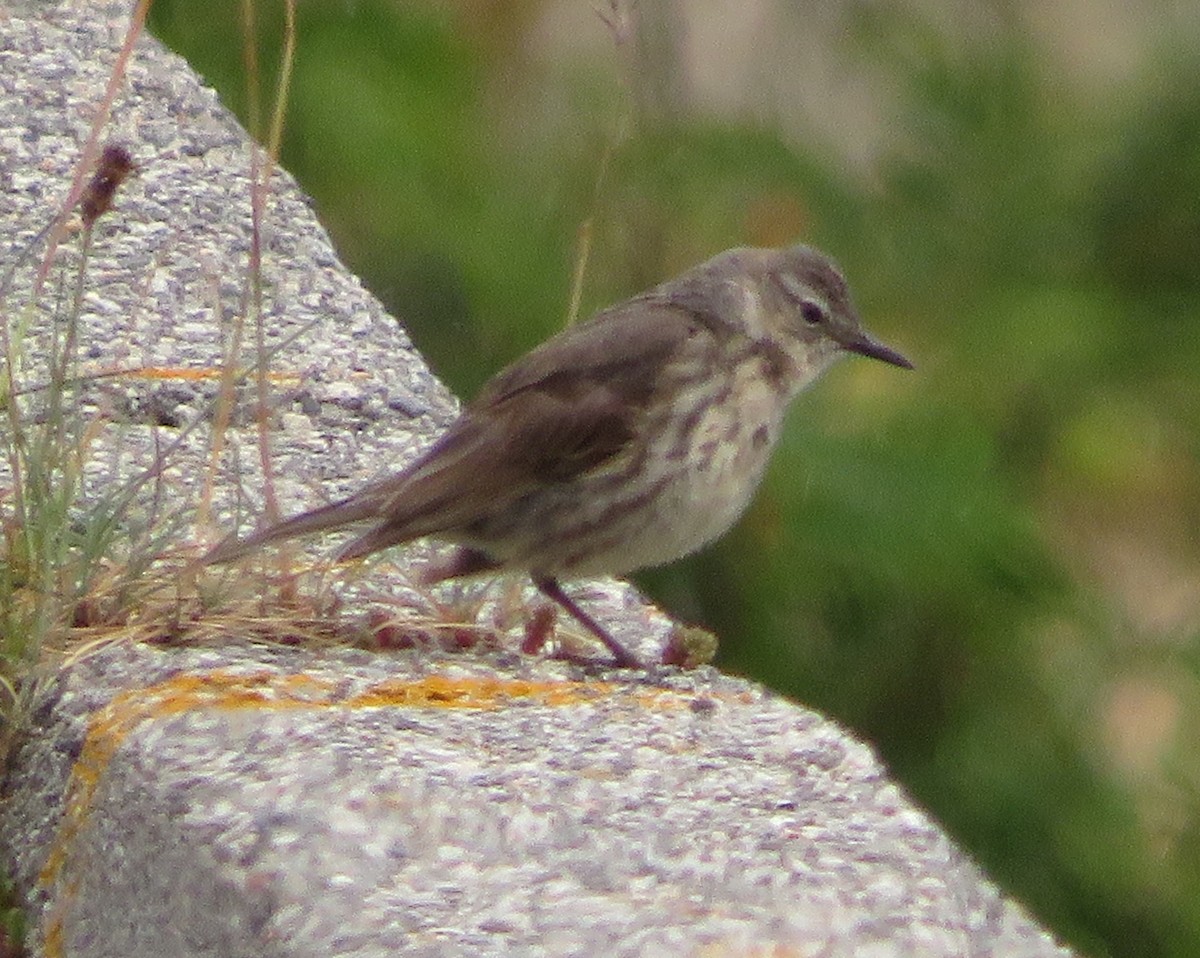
x: 377, y: 537
x: 449, y: 486
x: 332, y: 516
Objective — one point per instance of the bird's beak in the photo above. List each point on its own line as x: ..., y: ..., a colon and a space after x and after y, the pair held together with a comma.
x: 864, y: 345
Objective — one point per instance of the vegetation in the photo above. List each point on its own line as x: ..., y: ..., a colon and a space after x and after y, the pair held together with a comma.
x: 988, y: 568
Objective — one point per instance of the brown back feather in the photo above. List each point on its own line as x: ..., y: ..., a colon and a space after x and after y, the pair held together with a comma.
x: 563, y: 409
x: 567, y: 407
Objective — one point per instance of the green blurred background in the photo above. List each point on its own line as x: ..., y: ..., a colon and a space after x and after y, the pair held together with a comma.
x: 989, y: 567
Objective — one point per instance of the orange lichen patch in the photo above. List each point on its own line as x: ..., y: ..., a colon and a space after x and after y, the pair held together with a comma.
x: 439, y: 691
x: 661, y: 700
x: 223, y: 690
x: 226, y: 690
x: 193, y: 375
x: 53, y: 944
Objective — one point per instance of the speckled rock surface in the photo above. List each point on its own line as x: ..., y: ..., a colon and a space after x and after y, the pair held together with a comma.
x: 168, y: 276
x: 251, y: 800
x: 269, y: 801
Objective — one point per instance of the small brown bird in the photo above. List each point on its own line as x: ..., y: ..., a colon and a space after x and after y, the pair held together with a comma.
x: 626, y: 441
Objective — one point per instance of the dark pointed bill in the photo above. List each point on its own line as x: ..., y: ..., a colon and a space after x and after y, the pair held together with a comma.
x: 864, y: 345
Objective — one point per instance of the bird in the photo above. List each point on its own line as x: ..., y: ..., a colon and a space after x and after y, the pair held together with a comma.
x: 625, y: 441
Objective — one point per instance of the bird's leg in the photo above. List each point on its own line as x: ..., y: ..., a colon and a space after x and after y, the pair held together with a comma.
x: 550, y: 588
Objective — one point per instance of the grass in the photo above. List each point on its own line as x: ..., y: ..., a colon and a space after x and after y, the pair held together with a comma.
x: 81, y: 567
x: 51, y: 553
x: 914, y: 607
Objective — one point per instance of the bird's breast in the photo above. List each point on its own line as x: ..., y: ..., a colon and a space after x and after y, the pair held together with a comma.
x: 697, y: 456
x: 722, y: 436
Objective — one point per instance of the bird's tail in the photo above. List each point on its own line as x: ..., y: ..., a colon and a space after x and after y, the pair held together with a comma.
x: 332, y: 516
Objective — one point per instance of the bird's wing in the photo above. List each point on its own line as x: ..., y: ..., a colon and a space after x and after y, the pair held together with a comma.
x: 625, y: 346
x: 567, y: 407
x: 563, y: 409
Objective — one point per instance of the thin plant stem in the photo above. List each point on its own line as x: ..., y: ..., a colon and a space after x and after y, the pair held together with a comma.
x: 91, y: 148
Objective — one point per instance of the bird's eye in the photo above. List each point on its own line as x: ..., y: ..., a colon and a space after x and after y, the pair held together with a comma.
x: 813, y: 313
